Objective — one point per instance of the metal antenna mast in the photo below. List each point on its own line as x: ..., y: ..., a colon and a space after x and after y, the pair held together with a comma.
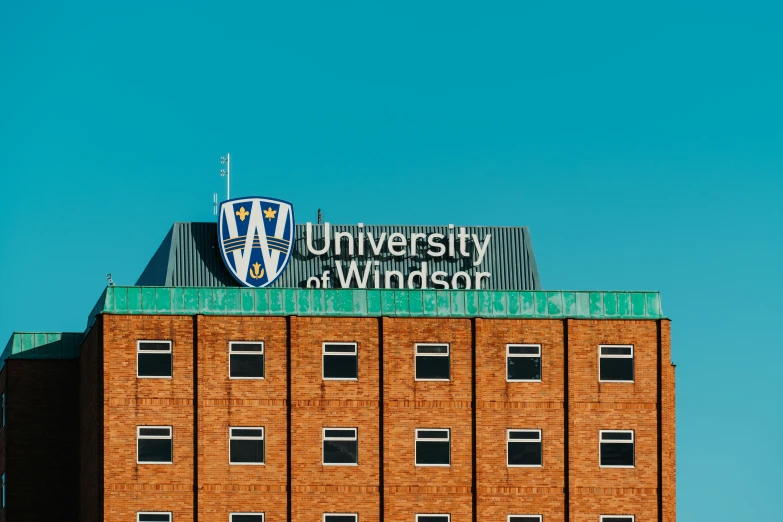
x: 226, y: 160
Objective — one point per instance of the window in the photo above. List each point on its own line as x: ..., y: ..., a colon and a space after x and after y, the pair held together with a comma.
x: 523, y: 362
x: 340, y: 517
x: 524, y: 448
x: 433, y: 447
x: 153, y: 359
x: 340, y: 361
x: 433, y: 518
x: 153, y: 445
x: 246, y: 445
x: 615, y: 363
x: 341, y: 446
x: 2, y: 405
x: 153, y: 517
x: 616, y: 448
x: 524, y: 518
x: 246, y: 360
x: 617, y: 518
x: 3, y: 499
x: 432, y: 362
x: 247, y: 517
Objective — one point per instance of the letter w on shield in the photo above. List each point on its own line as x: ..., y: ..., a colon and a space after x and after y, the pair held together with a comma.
x: 255, y: 229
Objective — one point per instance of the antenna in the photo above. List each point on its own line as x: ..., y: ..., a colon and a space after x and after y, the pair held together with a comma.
x: 109, y: 279
x: 214, y: 204
x: 226, y: 160
x: 320, y: 217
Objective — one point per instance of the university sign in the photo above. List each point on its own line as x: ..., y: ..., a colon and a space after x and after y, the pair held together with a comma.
x: 363, y: 268
x: 257, y: 237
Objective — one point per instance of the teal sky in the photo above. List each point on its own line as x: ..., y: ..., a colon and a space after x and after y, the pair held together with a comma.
x: 642, y: 144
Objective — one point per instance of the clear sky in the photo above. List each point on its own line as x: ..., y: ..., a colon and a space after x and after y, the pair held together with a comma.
x: 642, y: 144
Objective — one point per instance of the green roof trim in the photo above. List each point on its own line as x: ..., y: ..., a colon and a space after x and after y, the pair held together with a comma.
x: 376, y: 302
x: 49, y: 345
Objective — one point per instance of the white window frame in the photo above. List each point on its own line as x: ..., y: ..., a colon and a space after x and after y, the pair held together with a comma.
x: 540, y: 440
x: 324, y: 439
x: 354, y: 515
x: 416, y: 450
x: 339, y: 354
x: 416, y: 354
x: 447, y: 515
x: 540, y: 517
x: 601, y: 356
x: 170, y: 437
x: 261, y: 353
x: 509, y: 354
x: 632, y: 517
x: 170, y: 351
x: 231, y: 516
x: 138, y: 514
x: 632, y: 442
x: 232, y: 437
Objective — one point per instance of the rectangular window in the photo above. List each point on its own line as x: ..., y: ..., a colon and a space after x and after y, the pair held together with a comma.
x: 245, y: 360
x: 432, y: 362
x: 153, y: 359
x: 433, y: 447
x: 153, y: 517
x: 615, y: 363
x: 2, y: 405
x: 340, y: 361
x: 246, y: 445
x: 523, y: 362
x: 617, y: 448
x: 3, y: 499
x: 524, y: 448
x: 524, y: 518
x: 341, y: 517
x: 433, y: 518
x: 341, y: 446
x: 617, y: 518
x: 154, y: 445
x: 247, y: 517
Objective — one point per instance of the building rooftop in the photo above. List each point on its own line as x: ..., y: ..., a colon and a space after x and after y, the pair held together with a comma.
x: 379, y: 302
x: 49, y: 345
x: 190, y: 256
x: 498, y: 304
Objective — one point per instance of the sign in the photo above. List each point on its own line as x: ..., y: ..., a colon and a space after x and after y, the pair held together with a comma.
x: 366, y: 248
x: 256, y: 238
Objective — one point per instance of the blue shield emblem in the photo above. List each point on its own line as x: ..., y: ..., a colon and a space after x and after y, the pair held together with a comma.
x: 256, y: 237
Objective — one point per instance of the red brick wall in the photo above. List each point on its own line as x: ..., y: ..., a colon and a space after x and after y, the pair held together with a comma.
x: 594, y: 406
x: 414, y: 404
x: 587, y: 405
x: 505, y: 405
x: 130, y: 402
x: 668, y: 454
x: 319, y: 403
x: 42, y: 437
x: 225, y: 403
x: 91, y: 477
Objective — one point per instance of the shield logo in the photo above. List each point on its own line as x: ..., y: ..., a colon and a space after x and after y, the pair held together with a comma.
x: 256, y: 237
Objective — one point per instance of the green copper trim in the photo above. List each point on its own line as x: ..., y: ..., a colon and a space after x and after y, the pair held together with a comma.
x: 374, y: 303
x: 52, y: 345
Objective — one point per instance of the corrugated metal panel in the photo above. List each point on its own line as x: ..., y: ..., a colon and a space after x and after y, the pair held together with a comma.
x: 52, y: 345
x: 194, y: 258
x: 374, y: 303
x: 155, y: 271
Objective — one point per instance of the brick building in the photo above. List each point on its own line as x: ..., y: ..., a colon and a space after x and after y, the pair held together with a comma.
x: 187, y: 403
